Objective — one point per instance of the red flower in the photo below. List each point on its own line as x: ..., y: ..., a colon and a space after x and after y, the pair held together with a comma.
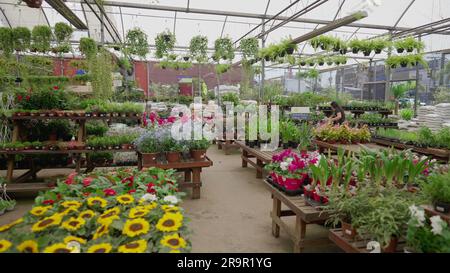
x: 48, y: 202
x: 131, y: 191
x: 19, y: 98
x: 70, y: 178
x: 171, y: 119
x: 87, y: 181
x: 55, y: 87
x: 130, y: 180
x: 58, y: 196
x: 28, y: 97
x: 151, y: 188
x: 109, y: 192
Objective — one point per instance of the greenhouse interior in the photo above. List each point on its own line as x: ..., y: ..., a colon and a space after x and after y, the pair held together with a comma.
x: 196, y: 126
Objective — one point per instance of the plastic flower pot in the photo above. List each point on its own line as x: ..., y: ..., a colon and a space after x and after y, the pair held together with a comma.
x: 290, y: 51
x: 442, y: 207
x: 280, y: 182
x: 392, y: 246
x: 173, y: 157
x: 355, y: 50
x: 348, y: 230
x: 293, y: 186
x: 198, y: 155
x: 149, y: 158
x: 400, y: 50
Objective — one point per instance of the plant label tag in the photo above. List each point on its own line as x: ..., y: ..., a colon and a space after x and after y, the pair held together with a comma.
x: 440, y: 209
x: 348, y: 232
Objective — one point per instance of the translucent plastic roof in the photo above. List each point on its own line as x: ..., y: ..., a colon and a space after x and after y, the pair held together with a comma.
x: 382, y: 14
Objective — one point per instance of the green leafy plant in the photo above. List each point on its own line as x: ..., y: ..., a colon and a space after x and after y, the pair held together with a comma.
x: 230, y: 97
x: 409, y: 44
x: 437, y: 188
x: 88, y: 47
x: 249, y: 48
x: 41, y: 36
x: 223, y: 49
x: 198, y: 48
x: 6, y: 41
x: 21, y: 38
x: 202, y: 144
x: 101, y: 77
x: 222, y: 68
x: 136, y: 43
x: 63, y: 32
x: 407, y: 114
x: 165, y: 43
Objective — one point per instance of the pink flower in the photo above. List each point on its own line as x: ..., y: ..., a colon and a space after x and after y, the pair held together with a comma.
x: 87, y: 181
x: 70, y: 178
x: 131, y: 191
x: 184, y: 119
x: 109, y: 192
x: 171, y: 119
x: 48, y: 202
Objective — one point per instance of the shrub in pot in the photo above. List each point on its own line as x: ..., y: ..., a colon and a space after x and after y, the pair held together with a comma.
x: 173, y: 149
x: 149, y: 148
x: 437, y: 189
x: 198, y: 149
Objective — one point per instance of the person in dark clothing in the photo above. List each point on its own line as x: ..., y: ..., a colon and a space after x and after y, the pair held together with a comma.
x: 338, y: 115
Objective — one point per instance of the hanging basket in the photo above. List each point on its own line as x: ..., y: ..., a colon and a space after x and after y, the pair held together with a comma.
x: 33, y: 3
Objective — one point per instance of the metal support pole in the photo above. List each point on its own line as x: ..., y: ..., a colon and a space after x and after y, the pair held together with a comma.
x: 263, y: 63
x: 416, y: 95
x: 369, y: 76
x: 388, y: 74
x: 102, y: 29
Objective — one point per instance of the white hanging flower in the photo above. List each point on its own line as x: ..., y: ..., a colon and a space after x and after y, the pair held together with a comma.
x: 148, y: 197
x: 437, y: 225
x: 171, y: 199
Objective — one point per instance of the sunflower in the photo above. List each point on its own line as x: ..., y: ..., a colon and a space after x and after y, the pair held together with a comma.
x: 87, y: 214
x: 97, y: 201
x: 53, y: 220
x: 125, y: 199
x: 70, y: 238
x: 39, y: 210
x: 68, y: 211
x: 28, y: 246
x: 170, y: 208
x: 4, y: 245
x: 102, y: 230
x: 175, y: 251
x: 100, y: 248
x: 136, y: 227
x: 71, y: 204
x: 57, y: 248
x: 111, y: 213
x: 173, y: 241
x: 10, y: 225
x: 137, y: 212
x: 151, y: 206
x: 138, y: 246
x: 73, y: 224
x: 169, y: 222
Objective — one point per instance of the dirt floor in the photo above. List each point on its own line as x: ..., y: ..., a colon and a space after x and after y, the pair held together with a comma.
x: 232, y: 214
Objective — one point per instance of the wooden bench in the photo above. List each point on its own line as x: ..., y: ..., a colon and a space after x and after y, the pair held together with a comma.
x: 227, y: 146
x: 304, y: 214
x: 354, y: 148
x: 192, y: 172
x: 249, y: 154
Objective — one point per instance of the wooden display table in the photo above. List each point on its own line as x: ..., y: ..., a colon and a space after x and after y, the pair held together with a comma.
x: 356, y: 245
x: 355, y: 148
x: 304, y: 214
x: 262, y: 158
x: 192, y: 172
x: 227, y: 145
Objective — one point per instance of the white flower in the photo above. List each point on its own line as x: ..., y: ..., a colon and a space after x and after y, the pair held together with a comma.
x: 171, y: 199
x: 418, y: 214
x: 437, y: 225
x: 289, y: 160
x: 149, y: 197
x: 284, y: 166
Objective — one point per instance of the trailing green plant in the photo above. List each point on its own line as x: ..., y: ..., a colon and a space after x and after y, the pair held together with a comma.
x: 409, y: 44
x: 198, y: 48
x: 222, y: 68
x: 287, y: 46
x: 41, y: 36
x: 165, y: 43
x: 355, y: 45
x: 6, y: 41
x: 88, y: 47
x: 378, y: 45
x: 223, y: 49
x: 249, y: 48
x: 136, y: 43
x: 63, y: 32
x: 21, y: 38
x: 101, y: 77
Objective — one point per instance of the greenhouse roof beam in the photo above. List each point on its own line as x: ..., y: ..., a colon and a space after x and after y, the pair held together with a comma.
x: 404, y: 13
x: 67, y: 13
x: 243, y: 14
x: 6, y: 18
x: 115, y: 36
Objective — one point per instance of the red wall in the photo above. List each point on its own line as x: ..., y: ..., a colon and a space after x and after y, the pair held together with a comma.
x: 69, y: 71
x: 141, y: 75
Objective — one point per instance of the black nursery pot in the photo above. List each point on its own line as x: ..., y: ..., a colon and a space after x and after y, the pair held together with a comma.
x: 290, y: 51
x: 400, y: 50
x: 293, y: 144
x: 355, y: 51
x: 252, y: 143
x: 285, y: 146
x: 377, y: 51
x: 442, y: 207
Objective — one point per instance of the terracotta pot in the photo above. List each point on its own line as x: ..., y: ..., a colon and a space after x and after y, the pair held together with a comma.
x: 348, y: 230
x: 198, y: 155
x: 149, y: 158
x: 392, y: 247
x: 173, y: 157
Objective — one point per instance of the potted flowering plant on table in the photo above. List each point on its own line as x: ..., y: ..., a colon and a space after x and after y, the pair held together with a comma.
x: 173, y: 149
x: 198, y: 148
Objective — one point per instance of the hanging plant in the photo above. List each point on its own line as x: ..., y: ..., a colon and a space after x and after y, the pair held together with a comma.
x: 249, y: 48
x: 223, y: 49
x: 379, y: 45
x: 41, y: 36
x: 287, y: 46
x: 198, y: 48
x: 366, y: 47
x: 33, y: 3
x: 355, y: 45
x: 6, y: 41
x: 320, y: 61
x: 329, y: 61
x: 409, y: 44
x: 222, y: 68
x: 21, y: 38
x: 100, y: 68
x: 302, y: 62
x: 165, y: 42
x: 63, y: 32
x: 136, y: 43
x: 313, y: 74
x: 88, y: 47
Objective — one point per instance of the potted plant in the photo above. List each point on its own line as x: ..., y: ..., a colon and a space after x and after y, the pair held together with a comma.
x: 149, y: 147
x: 223, y: 49
x: 198, y: 149
x: 379, y: 45
x: 165, y: 43
x: 136, y: 42
x: 88, y: 47
x: 21, y: 38
x: 288, y: 46
x: 33, y: 3
x: 41, y: 37
x: 437, y: 188
x: 355, y: 45
x: 173, y: 150
x: 6, y: 40
x: 198, y: 48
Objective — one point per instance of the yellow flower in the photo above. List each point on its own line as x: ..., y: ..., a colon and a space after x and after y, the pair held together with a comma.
x: 173, y: 241
x: 73, y: 224
x: 136, y: 227
x: 170, y: 208
x: 4, y: 245
x: 57, y: 248
x: 53, y: 220
x: 109, y: 214
x: 87, y: 214
x: 71, y: 204
x: 151, y: 206
x: 169, y: 222
x: 97, y: 201
x: 100, y: 248
x: 69, y: 239
x: 28, y: 246
x: 138, y: 212
x: 175, y: 251
x: 125, y: 199
x: 68, y: 211
x: 10, y: 225
x: 138, y: 246
x: 102, y: 230
x: 39, y: 210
